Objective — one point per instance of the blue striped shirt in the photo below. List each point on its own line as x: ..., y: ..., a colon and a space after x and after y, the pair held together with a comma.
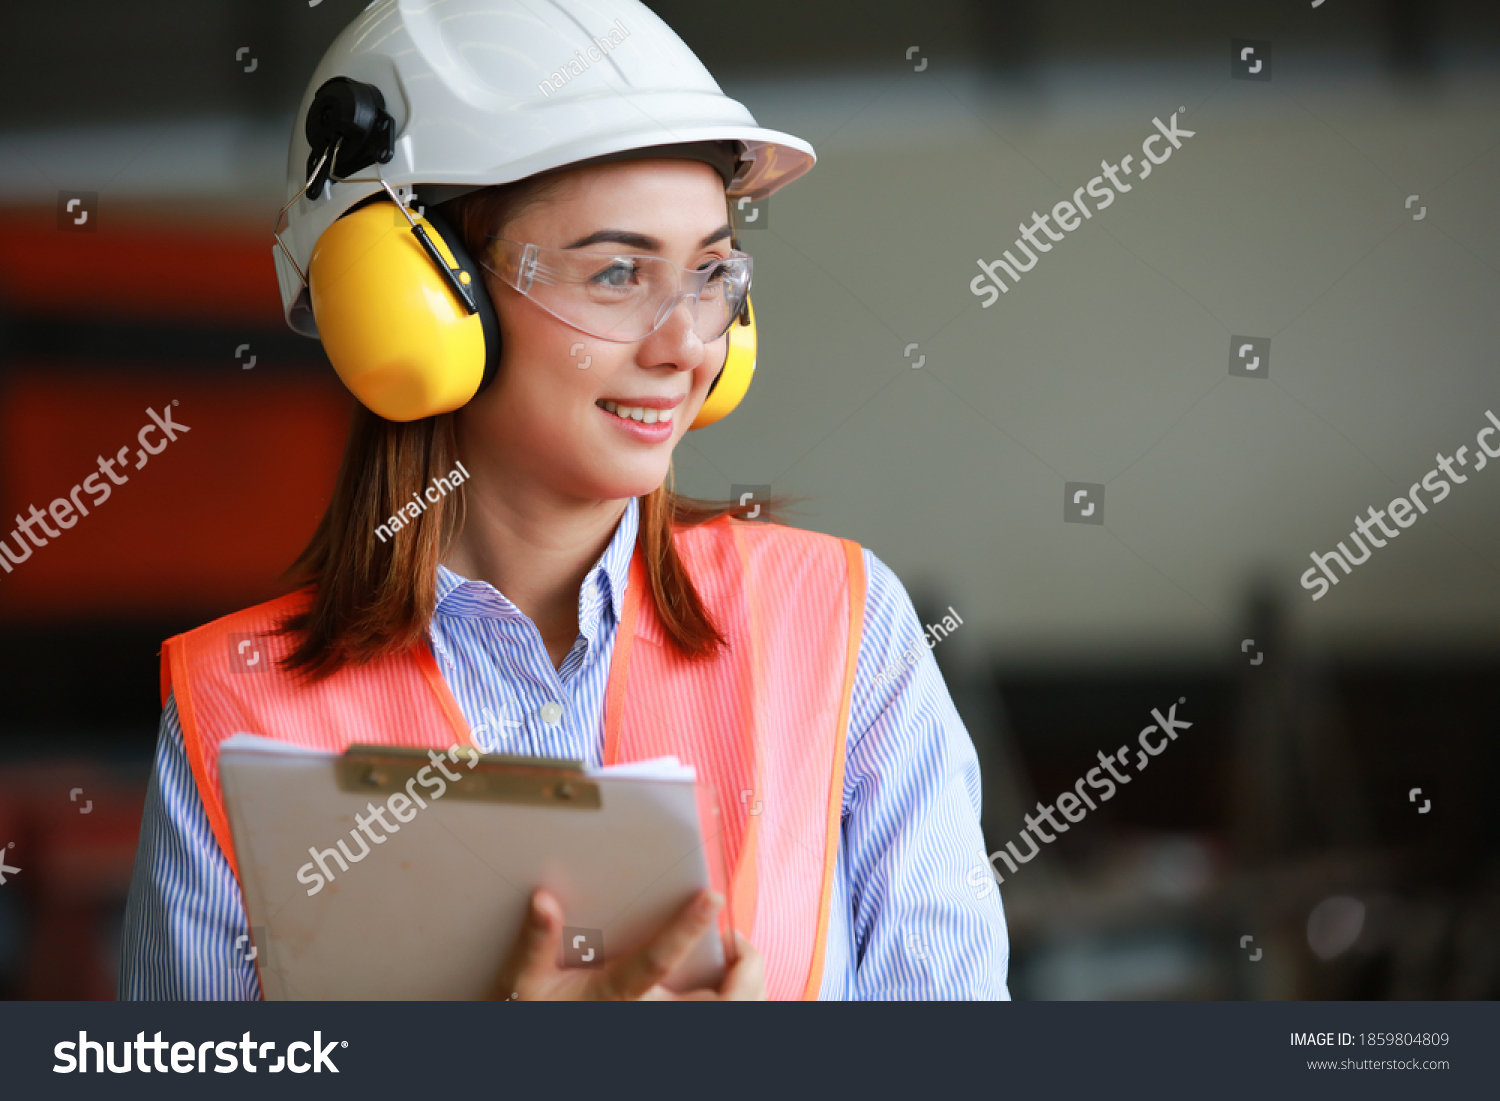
x: 903, y: 923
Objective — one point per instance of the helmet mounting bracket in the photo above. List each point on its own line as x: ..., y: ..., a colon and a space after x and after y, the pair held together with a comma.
x: 350, y: 116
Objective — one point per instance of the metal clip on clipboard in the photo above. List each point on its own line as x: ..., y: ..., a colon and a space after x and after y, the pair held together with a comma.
x: 488, y: 777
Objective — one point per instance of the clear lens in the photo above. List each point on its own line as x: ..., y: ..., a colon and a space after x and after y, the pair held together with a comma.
x: 621, y: 297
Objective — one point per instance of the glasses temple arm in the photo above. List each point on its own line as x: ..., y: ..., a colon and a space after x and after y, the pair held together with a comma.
x: 743, y: 317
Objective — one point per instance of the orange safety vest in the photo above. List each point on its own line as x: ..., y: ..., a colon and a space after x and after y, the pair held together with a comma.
x: 765, y: 722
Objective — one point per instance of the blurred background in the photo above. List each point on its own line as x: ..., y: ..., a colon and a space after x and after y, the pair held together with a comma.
x: 1343, y: 210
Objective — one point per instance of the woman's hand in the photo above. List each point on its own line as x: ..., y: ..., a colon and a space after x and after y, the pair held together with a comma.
x: 531, y: 972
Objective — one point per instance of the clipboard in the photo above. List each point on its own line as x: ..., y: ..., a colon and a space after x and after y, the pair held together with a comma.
x: 431, y: 911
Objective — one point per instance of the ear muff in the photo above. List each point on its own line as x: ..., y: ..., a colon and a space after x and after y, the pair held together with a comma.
x: 739, y: 368
x: 395, y: 328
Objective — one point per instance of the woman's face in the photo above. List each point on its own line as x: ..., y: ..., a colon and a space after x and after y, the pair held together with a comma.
x: 543, y: 418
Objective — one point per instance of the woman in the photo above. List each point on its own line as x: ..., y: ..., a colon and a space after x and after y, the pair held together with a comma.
x: 503, y: 563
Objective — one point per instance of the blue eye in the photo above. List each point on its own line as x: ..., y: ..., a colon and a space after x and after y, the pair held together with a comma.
x: 610, y: 276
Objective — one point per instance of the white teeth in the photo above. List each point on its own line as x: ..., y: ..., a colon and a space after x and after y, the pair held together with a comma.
x: 638, y: 413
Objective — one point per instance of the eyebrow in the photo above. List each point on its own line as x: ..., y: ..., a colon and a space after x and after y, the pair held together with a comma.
x: 643, y: 241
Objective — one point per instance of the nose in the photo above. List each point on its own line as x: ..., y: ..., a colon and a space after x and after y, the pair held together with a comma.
x: 679, y: 342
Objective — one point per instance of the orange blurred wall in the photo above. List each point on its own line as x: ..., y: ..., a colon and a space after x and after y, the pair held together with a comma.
x: 209, y: 523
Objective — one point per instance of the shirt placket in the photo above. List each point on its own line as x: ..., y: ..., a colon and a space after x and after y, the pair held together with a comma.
x: 553, y: 721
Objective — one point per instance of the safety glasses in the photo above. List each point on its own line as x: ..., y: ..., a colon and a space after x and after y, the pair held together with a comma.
x: 620, y: 297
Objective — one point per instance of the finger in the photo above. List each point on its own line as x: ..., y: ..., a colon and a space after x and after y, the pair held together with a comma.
x: 535, y: 951
x: 745, y: 979
x: 635, y: 975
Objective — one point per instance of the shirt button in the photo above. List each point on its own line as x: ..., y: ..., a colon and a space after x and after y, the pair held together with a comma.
x: 551, y: 713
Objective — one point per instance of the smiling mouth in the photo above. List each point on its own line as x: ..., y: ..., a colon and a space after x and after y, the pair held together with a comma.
x: 636, y: 412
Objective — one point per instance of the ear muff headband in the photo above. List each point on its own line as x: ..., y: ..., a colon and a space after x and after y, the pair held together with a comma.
x: 399, y: 336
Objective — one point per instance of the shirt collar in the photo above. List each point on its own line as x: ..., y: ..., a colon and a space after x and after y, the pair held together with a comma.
x: 603, y: 587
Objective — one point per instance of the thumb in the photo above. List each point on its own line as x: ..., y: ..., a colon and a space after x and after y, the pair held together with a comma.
x: 537, y: 946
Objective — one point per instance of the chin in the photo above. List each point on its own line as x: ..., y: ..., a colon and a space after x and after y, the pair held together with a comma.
x: 628, y: 481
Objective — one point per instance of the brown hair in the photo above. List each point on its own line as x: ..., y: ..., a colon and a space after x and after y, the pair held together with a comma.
x: 373, y: 598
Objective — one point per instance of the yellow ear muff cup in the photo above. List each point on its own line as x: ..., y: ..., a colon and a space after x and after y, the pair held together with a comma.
x: 734, y: 380
x: 393, y: 328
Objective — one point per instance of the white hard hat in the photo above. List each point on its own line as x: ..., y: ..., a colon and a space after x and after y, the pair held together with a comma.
x: 485, y: 92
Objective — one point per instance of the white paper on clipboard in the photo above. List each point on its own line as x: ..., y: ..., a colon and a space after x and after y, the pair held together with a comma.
x: 431, y: 911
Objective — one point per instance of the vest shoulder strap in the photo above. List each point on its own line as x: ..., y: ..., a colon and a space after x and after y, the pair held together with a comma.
x: 227, y: 678
x: 764, y: 721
